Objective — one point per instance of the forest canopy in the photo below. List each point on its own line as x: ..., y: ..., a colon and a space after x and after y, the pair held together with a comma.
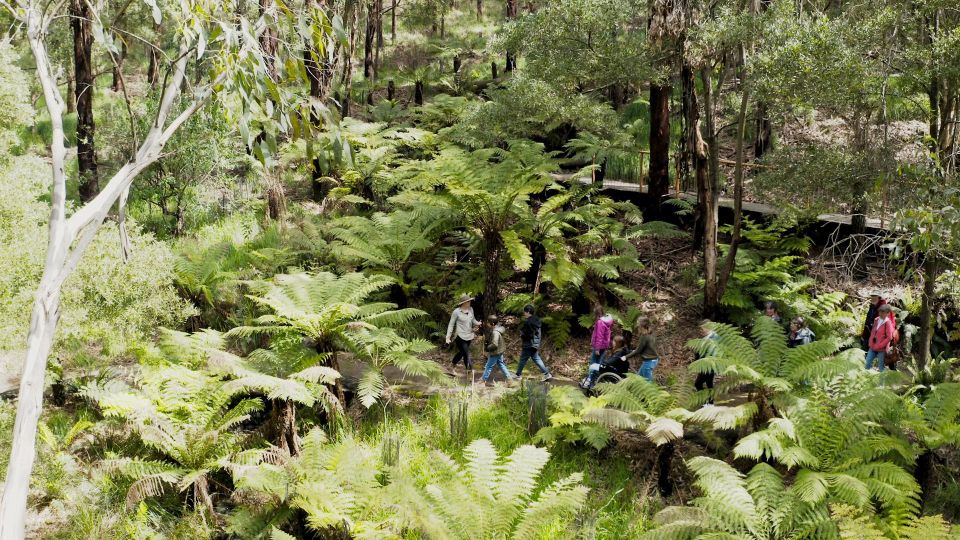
x: 282, y: 270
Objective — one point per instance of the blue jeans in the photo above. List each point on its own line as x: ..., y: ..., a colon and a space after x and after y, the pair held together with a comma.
x: 596, y: 355
x: 646, y: 368
x: 592, y: 372
x: 879, y: 356
x: 526, y: 354
x: 495, y: 360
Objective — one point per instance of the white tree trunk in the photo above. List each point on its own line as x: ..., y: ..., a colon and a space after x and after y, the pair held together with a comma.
x: 69, y: 239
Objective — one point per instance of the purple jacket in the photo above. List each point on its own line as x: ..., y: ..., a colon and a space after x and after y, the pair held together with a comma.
x: 601, y: 333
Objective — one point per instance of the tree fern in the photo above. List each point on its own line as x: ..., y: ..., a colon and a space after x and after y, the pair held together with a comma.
x: 733, y: 505
x: 335, y: 484
x: 183, y: 416
x: 486, y: 498
x: 835, y: 449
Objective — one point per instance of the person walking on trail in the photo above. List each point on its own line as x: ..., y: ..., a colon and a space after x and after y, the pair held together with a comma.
x: 705, y: 380
x: 881, y: 337
x: 496, y: 347
x: 530, y: 336
x: 875, y: 302
x: 612, y: 362
x: 602, y: 331
x: 770, y: 310
x: 646, y: 349
x: 800, y: 333
x: 461, y: 329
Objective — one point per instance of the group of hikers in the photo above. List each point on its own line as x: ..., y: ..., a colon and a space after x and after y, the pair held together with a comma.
x: 613, y: 353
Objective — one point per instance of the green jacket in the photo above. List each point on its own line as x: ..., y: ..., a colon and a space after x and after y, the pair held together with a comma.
x: 496, y: 345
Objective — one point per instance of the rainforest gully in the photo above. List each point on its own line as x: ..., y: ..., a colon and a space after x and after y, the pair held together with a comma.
x: 479, y: 270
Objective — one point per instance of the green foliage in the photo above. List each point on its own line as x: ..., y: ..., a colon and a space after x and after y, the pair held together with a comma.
x: 335, y: 484
x: 531, y: 108
x: 582, y: 66
x: 108, y: 303
x: 775, y: 371
x: 568, y: 421
x: 769, y: 266
x: 632, y: 404
x: 382, y: 347
x: 849, y: 457
x: 334, y: 314
x: 185, y: 420
x: 390, y: 244
x: 856, y: 525
x: 487, y: 497
x: 759, y: 505
x: 15, y: 109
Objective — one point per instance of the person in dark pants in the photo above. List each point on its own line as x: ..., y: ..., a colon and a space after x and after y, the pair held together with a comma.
x: 530, y: 335
x: 461, y: 329
x: 705, y: 380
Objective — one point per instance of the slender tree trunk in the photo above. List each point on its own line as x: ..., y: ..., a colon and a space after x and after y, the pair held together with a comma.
x: 479, y: 10
x: 153, y: 54
x: 923, y: 473
x: 696, y: 149
x: 117, y: 84
x: 932, y: 28
x: 418, y: 93
x: 71, y: 95
x: 201, y: 495
x: 659, y: 175
x: 369, y: 36
x: 43, y: 326
x: 764, y: 129
x: 664, y: 462
x: 931, y: 269
x: 379, y: 50
x: 711, y: 299
x: 510, y: 56
x: 491, y: 268
x: 320, y: 76
x: 731, y: 262
x: 493, y: 70
x: 393, y: 21
x: 269, y: 40
x: 82, y: 25
x: 391, y: 90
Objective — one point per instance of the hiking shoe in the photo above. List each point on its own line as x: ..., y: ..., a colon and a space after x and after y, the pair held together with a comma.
x: 546, y: 377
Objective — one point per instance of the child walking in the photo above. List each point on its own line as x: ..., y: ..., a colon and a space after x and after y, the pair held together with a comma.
x: 646, y: 349
x: 881, y: 337
x: 495, y: 348
x: 602, y: 330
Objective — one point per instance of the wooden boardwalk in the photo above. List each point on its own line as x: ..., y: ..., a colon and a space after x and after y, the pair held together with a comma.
x: 726, y: 202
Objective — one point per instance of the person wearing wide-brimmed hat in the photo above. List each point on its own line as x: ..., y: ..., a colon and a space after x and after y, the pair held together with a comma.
x: 461, y: 329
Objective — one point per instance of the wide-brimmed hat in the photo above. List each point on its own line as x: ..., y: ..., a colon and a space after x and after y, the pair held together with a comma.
x: 870, y: 291
x: 464, y: 298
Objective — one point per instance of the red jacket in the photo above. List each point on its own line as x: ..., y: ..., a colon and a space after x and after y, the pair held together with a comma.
x: 881, y: 336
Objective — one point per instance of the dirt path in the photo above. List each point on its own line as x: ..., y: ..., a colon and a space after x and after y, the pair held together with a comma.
x: 457, y: 378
